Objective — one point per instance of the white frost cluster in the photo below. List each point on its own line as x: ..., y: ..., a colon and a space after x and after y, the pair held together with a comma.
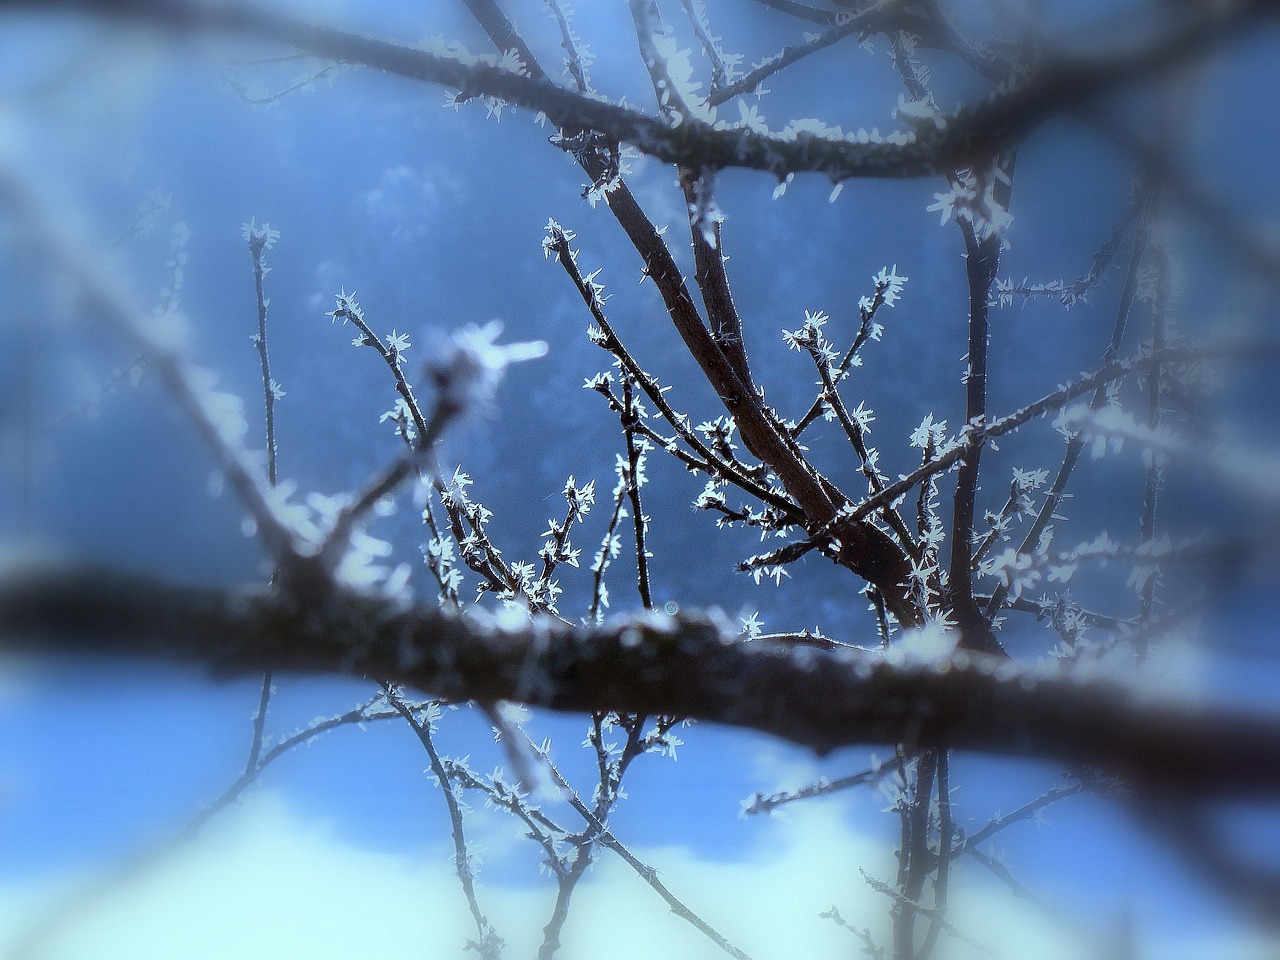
x: 680, y: 69
x: 259, y: 236
x: 929, y: 432
x: 972, y: 199
x: 473, y: 365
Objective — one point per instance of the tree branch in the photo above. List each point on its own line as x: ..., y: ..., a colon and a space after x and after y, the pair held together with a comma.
x: 692, y: 665
x: 1060, y: 85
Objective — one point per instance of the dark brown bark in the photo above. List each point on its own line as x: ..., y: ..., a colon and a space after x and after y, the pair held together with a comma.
x: 693, y: 665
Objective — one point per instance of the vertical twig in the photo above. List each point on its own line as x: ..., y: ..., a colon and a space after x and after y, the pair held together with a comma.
x: 942, y: 868
x: 697, y: 15
x: 982, y: 261
x: 1155, y: 468
x: 635, y: 467
x: 261, y: 239
x: 103, y: 294
x: 1075, y: 445
x: 602, y: 835
x: 599, y: 594
x: 490, y: 943
x: 575, y: 63
x: 917, y: 856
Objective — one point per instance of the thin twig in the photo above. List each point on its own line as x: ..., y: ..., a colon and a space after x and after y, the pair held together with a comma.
x: 150, y: 337
x: 640, y: 522
x: 646, y: 873
x: 461, y: 855
x: 878, y: 17
x: 766, y: 803
x: 1028, y: 810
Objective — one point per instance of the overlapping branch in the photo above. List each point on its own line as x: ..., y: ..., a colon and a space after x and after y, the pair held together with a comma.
x: 1011, y: 114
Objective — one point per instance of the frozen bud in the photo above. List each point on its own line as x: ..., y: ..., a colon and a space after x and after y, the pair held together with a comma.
x: 472, y: 366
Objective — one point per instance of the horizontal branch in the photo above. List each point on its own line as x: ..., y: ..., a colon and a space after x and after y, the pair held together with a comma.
x: 694, y: 665
x: 1061, y: 84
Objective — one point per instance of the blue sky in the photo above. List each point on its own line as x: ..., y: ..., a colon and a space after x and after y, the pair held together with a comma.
x: 435, y: 218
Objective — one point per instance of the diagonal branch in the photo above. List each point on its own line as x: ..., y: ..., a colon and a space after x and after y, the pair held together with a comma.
x: 152, y: 338
x: 884, y: 15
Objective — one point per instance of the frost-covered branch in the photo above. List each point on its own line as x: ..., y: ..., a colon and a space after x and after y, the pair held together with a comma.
x: 691, y: 665
x: 888, y: 287
x: 955, y: 450
x: 215, y: 415
x: 982, y: 260
x: 722, y: 66
x: 260, y: 240
x: 633, y: 477
x: 600, y: 833
x: 1075, y: 445
x: 576, y: 59
x: 1070, y: 294
x: 1029, y: 810
x: 1006, y: 117
x: 934, y: 914
x: 766, y: 803
x: 878, y: 17
x: 558, y: 242
x: 489, y: 945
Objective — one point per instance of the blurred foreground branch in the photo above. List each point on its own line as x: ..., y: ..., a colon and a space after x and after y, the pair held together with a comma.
x: 1061, y: 82
x: 692, y: 665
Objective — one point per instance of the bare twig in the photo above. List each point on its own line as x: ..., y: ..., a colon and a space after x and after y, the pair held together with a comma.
x: 767, y: 803
x: 648, y: 874
x: 489, y: 944
x: 152, y: 338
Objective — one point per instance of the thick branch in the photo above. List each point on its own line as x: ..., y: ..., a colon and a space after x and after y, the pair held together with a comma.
x: 692, y: 666
x: 973, y: 133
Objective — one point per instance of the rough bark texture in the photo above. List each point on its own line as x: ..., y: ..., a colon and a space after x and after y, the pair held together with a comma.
x: 694, y: 665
